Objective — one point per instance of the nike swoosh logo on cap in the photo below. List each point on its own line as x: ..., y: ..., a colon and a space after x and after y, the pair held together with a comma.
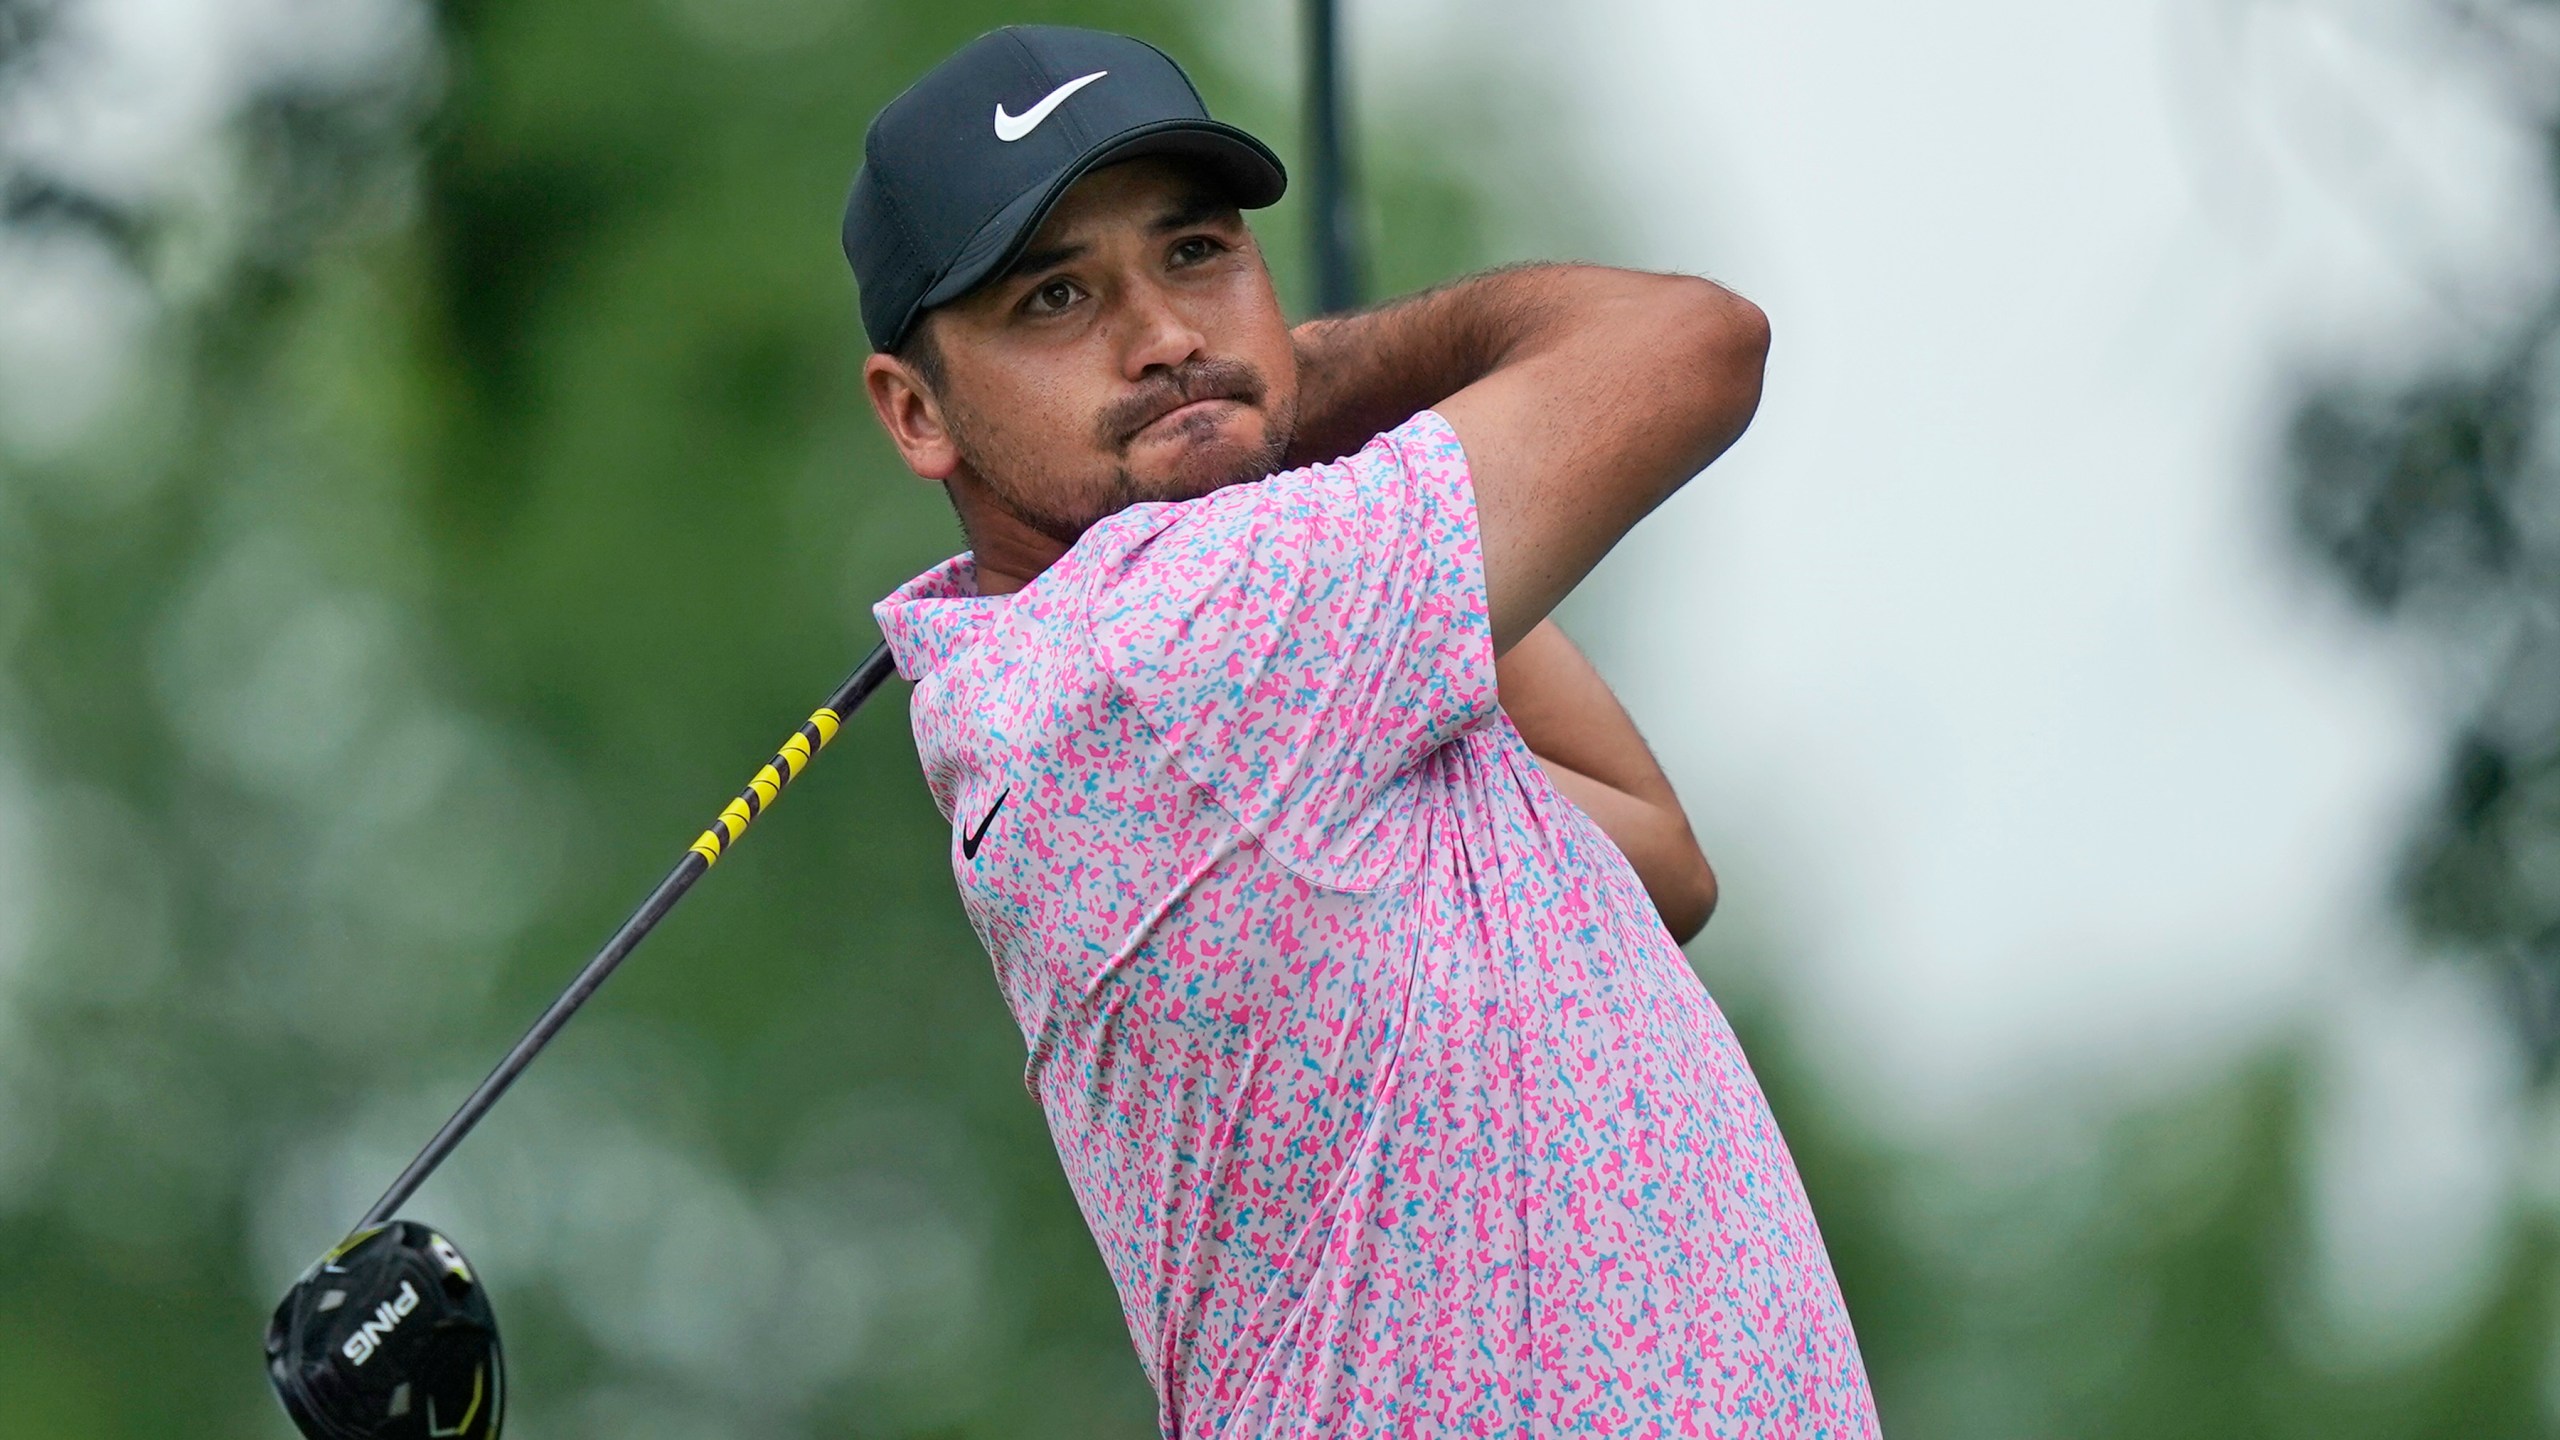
x: 1010, y: 128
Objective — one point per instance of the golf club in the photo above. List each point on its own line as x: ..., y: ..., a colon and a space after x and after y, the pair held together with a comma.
x: 390, y: 1335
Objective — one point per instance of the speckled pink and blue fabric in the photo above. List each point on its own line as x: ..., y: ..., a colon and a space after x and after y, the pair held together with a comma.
x: 1392, y: 1106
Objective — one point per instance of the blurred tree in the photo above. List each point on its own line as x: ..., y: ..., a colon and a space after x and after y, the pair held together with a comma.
x: 2434, y: 499
x: 2074, y: 1270
x: 491, y: 488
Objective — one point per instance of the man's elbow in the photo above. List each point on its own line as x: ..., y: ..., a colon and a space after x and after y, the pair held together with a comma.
x: 1732, y: 338
x: 1690, y: 903
x: 1734, y: 328
x: 1718, y: 344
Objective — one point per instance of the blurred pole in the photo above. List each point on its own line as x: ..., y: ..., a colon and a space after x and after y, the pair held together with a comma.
x: 1334, y: 215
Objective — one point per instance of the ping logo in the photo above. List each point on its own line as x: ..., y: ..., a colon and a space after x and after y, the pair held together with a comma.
x: 369, y: 1336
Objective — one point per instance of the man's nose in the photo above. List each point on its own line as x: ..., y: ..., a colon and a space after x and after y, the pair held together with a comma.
x: 1158, y: 334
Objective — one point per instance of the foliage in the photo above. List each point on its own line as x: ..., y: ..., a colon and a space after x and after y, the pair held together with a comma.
x: 499, y: 492
x: 495, y: 493
x: 2433, y: 499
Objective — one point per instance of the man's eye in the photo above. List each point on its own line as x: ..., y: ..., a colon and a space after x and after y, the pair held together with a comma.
x: 1193, y: 250
x: 1053, y: 297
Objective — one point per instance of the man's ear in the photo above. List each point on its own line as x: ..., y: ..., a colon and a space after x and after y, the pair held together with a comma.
x: 912, y: 416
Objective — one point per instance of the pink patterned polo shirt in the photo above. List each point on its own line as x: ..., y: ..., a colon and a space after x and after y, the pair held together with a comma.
x: 1392, y: 1106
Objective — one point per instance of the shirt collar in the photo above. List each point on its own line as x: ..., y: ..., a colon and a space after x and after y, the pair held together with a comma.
x: 927, y: 619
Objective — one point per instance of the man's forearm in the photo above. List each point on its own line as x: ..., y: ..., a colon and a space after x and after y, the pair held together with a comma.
x: 1567, y: 713
x: 1589, y: 747
x: 1365, y: 373
x: 1656, y: 842
x: 1583, y: 396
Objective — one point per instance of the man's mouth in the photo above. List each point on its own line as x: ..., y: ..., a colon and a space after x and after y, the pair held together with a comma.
x: 1175, y: 418
x: 1175, y: 403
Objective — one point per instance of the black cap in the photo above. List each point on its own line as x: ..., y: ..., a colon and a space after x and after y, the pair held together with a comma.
x: 960, y: 170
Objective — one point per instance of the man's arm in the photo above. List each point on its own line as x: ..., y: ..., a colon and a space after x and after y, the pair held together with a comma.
x: 1590, y: 748
x: 1584, y: 397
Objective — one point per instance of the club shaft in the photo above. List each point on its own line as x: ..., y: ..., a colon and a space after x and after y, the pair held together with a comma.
x: 796, y: 755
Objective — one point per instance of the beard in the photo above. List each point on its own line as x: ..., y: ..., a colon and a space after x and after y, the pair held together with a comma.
x: 1064, y: 511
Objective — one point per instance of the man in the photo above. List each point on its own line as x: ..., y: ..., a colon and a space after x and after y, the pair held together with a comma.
x: 1337, y: 899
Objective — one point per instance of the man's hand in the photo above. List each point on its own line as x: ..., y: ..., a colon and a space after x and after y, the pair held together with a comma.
x: 1590, y: 748
x: 1584, y: 397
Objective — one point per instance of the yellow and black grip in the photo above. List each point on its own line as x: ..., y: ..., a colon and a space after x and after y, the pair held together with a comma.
x: 794, y: 757
x: 781, y: 770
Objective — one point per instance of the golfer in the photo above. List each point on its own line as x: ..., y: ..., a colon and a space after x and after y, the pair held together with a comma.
x: 1337, y: 899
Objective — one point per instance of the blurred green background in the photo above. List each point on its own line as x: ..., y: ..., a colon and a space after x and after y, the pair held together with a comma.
x: 492, y: 494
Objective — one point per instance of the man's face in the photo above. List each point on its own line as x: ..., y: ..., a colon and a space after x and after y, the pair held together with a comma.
x: 1135, y: 352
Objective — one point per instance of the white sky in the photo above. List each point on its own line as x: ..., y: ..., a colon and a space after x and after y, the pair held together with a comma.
x: 1980, y: 658
x: 1993, y: 688
x: 1982, y: 654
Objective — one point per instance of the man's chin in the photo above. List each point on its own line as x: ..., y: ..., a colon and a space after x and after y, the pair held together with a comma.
x: 1208, y: 464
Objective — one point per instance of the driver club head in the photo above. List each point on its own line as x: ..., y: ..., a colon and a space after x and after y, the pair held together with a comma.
x: 389, y: 1337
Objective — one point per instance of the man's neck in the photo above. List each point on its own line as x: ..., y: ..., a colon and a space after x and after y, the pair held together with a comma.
x: 1009, y: 553
x: 993, y: 581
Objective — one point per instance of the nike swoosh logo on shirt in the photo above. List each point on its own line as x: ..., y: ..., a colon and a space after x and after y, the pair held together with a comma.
x: 969, y: 842
x: 1010, y: 128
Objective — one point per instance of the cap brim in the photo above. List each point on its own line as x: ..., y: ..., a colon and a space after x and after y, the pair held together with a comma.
x: 1252, y: 174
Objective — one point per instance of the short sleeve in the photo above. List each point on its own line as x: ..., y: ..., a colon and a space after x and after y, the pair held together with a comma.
x: 1302, y: 643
